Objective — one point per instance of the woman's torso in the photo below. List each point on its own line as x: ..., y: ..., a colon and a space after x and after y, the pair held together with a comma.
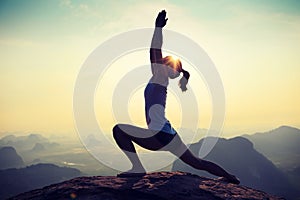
x: 155, y: 95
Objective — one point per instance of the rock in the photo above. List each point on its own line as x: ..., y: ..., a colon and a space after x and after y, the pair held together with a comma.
x: 156, y: 185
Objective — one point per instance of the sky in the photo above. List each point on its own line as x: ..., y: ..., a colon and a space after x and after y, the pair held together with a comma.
x: 253, y: 44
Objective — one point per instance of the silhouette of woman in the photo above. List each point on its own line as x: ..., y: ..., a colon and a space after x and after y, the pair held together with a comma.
x: 160, y: 135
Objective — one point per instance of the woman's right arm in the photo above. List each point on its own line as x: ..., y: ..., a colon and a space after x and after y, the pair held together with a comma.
x: 156, y: 43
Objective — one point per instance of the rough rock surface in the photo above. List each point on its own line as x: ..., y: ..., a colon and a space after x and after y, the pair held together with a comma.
x: 156, y: 185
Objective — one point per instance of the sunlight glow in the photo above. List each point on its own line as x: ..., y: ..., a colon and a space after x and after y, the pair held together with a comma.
x: 253, y: 45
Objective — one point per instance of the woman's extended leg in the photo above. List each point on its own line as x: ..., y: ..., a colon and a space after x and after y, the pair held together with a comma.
x: 179, y: 149
x: 125, y: 135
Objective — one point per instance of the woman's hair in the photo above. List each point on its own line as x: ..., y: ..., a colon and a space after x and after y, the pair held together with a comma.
x: 176, y: 64
x: 184, y: 80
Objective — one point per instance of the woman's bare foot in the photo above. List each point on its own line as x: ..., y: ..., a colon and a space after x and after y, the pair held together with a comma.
x: 132, y: 173
x: 231, y: 179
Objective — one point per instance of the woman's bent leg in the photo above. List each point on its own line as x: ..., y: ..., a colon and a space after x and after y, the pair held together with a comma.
x: 125, y: 135
x: 125, y: 143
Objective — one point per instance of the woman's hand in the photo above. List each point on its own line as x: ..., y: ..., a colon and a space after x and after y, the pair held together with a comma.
x: 161, y: 19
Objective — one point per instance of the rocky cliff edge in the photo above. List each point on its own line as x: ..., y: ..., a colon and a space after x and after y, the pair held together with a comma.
x: 156, y: 185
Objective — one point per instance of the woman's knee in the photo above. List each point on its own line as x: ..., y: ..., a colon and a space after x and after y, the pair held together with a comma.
x: 117, y: 132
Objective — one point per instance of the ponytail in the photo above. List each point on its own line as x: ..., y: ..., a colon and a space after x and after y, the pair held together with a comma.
x: 184, y: 80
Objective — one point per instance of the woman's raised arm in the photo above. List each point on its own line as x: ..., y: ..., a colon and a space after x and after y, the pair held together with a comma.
x: 157, y: 39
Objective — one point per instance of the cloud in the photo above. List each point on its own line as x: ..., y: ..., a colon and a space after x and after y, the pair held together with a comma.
x: 16, y: 42
x: 66, y: 3
x: 80, y: 10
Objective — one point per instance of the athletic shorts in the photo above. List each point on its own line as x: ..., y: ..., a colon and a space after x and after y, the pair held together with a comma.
x: 164, y: 138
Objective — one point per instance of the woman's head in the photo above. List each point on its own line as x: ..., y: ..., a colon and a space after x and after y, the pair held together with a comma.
x: 174, y: 70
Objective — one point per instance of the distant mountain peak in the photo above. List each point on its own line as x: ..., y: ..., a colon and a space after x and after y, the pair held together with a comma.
x: 38, y: 147
x: 9, y: 138
x: 242, y: 141
x: 236, y: 140
x: 9, y: 158
x: 8, y: 149
x: 281, y: 145
x: 285, y: 127
x: 156, y: 185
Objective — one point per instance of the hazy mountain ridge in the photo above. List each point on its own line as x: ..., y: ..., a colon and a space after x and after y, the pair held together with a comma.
x: 26, y: 143
x: 281, y: 145
x: 238, y: 156
x: 15, y: 181
x: 157, y: 185
x: 9, y: 158
x: 61, y: 151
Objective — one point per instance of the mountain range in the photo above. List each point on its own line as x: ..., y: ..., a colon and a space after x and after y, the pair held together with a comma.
x: 280, y: 145
x: 14, y: 181
x: 239, y: 157
x: 27, y: 143
x: 268, y: 161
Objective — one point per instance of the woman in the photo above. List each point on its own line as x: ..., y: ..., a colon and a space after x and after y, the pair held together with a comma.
x: 160, y: 135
